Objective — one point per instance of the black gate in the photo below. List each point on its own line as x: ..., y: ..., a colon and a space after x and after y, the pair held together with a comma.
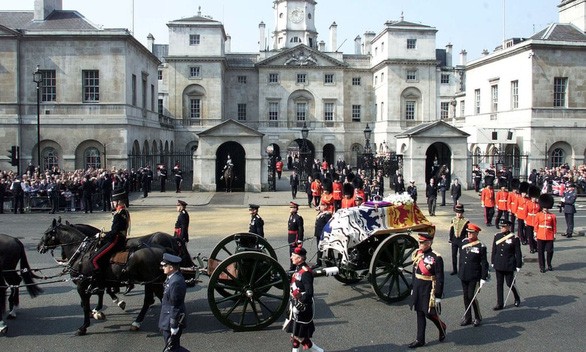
x: 184, y: 159
x: 517, y: 162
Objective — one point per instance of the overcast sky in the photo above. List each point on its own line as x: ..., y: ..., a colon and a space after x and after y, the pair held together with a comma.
x: 473, y: 25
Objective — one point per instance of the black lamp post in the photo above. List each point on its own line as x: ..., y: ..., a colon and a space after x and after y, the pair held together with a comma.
x: 367, y: 156
x: 271, y: 168
x: 303, y: 152
x: 38, y: 78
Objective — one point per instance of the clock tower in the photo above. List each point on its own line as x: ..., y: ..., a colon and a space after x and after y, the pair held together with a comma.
x: 295, y: 24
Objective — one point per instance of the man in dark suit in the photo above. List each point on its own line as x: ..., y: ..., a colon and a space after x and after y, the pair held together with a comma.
x: 172, y: 318
x: 431, y: 194
x: 569, y: 208
x: 506, y: 258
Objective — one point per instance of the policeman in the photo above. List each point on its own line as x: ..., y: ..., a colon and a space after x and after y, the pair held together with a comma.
x: 457, y: 234
x: 172, y: 317
x: 182, y: 224
x: 428, y: 286
x: 506, y: 258
x: 294, y: 229
x: 300, y: 323
x: 545, y: 230
x: 256, y: 222
x: 473, y: 269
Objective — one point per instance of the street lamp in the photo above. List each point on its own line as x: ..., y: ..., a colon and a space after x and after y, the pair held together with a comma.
x: 271, y: 169
x: 303, y: 152
x: 38, y: 78
x: 367, y: 156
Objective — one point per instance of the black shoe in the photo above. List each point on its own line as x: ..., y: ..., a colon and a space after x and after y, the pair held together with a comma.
x: 454, y: 273
x: 442, y: 333
x: 517, y: 303
x: 128, y: 289
x: 542, y: 270
x: 569, y: 236
x: 416, y: 344
x: 549, y: 268
x: 465, y: 322
x: 489, y: 224
x: 524, y: 243
x: 497, y: 308
x: 476, y: 322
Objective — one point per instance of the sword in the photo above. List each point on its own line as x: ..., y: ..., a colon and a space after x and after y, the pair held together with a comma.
x: 472, y: 302
x: 511, y: 288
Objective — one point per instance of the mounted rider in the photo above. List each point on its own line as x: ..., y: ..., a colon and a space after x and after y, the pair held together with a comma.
x: 228, y: 163
x: 111, y: 241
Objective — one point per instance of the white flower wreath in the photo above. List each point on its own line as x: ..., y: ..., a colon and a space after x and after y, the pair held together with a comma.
x: 399, y: 199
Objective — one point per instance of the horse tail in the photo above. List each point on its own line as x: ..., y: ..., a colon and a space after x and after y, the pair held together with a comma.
x: 27, y: 275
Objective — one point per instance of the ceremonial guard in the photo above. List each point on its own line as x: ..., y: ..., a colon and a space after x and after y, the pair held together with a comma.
x: 513, y: 196
x: 182, y: 223
x: 506, y: 258
x: 533, y: 209
x: 172, y: 317
x: 337, y: 193
x: 163, y: 177
x: 457, y: 234
x: 294, y: 183
x: 545, y: 229
x: 316, y: 191
x: 412, y: 191
x: 487, y: 201
x: 322, y: 218
x: 569, y: 209
x: 348, y: 200
x: 428, y: 286
x: 300, y: 322
x: 522, y: 201
x: 473, y: 269
x: 294, y: 229
x: 502, y: 205
x: 476, y: 177
x: 178, y: 177
x: 257, y: 224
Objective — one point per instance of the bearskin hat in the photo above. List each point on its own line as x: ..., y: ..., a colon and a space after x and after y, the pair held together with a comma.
x: 523, y: 187
x: 348, y: 189
x: 327, y: 185
x: 515, y: 183
x: 546, y: 201
x: 534, y: 191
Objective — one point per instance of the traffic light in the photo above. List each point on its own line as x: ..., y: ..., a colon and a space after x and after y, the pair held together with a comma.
x: 14, y: 155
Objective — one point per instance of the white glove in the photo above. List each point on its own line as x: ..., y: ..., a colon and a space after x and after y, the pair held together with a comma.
x: 482, y: 282
x: 518, y: 269
x: 295, y: 310
x: 98, y: 234
x: 438, y: 301
x: 174, y: 331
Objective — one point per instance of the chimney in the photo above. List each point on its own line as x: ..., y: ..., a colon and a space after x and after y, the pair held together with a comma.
x: 322, y: 46
x: 333, y: 37
x: 43, y: 8
x: 357, y: 45
x: 368, y: 37
x: 463, y: 57
x: 228, y: 48
x: 261, y: 42
x: 449, y: 55
x: 150, y: 42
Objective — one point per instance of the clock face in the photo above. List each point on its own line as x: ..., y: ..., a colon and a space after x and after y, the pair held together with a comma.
x: 297, y: 15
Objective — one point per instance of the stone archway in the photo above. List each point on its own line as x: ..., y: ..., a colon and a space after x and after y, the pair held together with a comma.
x: 238, y: 156
x: 437, y: 156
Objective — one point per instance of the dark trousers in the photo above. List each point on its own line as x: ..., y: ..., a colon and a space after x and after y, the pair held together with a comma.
x: 476, y: 185
x: 569, y: 223
x: 178, y: 184
x: 469, y: 289
x: 172, y: 342
x: 309, y: 199
x: 294, y: 191
x: 443, y: 193
x: 145, y: 190
x: 422, y: 323
x: 512, y: 219
x: 530, y: 236
x: 106, y: 202
x: 501, y: 214
x: 431, y: 204
x: 87, y: 204
x: 19, y: 204
x: 54, y: 203
x: 521, y: 230
x: 542, y: 247
x: 501, y: 277
x: 455, y: 250
x: 488, y: 215
x: 163, y: 183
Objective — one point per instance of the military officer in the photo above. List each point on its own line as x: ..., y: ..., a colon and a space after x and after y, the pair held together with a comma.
x: 256, y: 222
x: 506, y: 258
x: 457, y: 234
x: 428, y: 285
x: 182, y: 223
x: 545, y: 230
x: 473, y: 269
x: 569, y: 208
x: 172, y: 317
x: 322, y: 218
x: 294, y: 229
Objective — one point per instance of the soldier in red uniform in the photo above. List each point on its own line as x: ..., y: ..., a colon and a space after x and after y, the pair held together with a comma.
x: 316, y: 191
x: 513, y: 195
x: 533, y: 209
x: 337, y: 193
x: 487, y: 201
x: 428, y: 286
x: 522, y: 211
x: 545, y: 227
x: 502, y: 205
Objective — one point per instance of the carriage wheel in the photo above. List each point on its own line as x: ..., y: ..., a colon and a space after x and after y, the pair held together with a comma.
x: 345, y: 276
x: 391, y: 268
x: 257, y: 288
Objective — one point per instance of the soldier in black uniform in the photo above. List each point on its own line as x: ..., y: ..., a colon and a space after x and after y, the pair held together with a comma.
x: 476, y: 178
x: 506, y: 258
x: 457, y: 234
x: 182, y: 223
x: 428, y: 286
x: 294, y: 229
x: 321, y: 220
x: 163, y: 177
x: 256, y: 222
x: 473, y: 269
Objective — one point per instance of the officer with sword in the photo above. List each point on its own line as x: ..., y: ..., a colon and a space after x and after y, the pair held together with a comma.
x: 507, y: 260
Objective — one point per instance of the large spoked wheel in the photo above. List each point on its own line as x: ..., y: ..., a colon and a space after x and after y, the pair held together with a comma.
x: 391, y: 268
x: 248, y: 291
x: 345, y: 275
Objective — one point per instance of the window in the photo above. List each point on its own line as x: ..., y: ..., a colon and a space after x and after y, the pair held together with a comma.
x: 356, y: 81
x: 301, y: 111
x: 411, y: 75
x: 91, y: 85
x: 195, y: 108
x: 301, y: 77
x: 410, y: 110
x: 160, y: 75
x: 91, y: 157
x: 134, y: 93
x: 329, y: 78
x: 194, y: 71
x: 144, y: 94
x: 160, y: 106
x: 445, y: 78
x: 295, y: 40
x: 462, y: 108
x: 444, y: 110
x: 375, y: 80
x: 241, y: 112
x: 329, y: 112
x: 558, y: 157
x: 50, y: 158
x: 494, y: 93
x: 273, y: 78
x: 152, y: 97
x: 49, y: 86
x: 273, y: 111
x: 376, y: 51
x: 382, y: 78
x: 411, y: 43
x: 514, y: 94
x: 356, y: 112
x: 382, y: 111
x: 477, y: 101
x: 242, y: 79
x: 560, y: 87
x: 194, y: 39
x: 382, y: 48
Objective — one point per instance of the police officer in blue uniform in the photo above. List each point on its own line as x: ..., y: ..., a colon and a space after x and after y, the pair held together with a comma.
x: 172, y: 317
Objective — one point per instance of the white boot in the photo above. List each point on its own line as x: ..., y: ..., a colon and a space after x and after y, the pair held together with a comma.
x: 295, y: 349
x: 315, y: 348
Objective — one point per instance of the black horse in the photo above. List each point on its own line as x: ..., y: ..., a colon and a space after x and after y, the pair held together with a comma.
x: 11, y: 252
x: 143, y: 266
x: 228, y: 176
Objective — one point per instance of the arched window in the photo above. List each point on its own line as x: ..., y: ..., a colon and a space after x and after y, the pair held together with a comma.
x: 92, y: 158
x: 50, y: 158
x: 476, y: 156
x: 558, y: 157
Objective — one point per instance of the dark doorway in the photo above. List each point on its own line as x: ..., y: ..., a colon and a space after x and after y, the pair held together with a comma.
x: 329, y: 152
x: 438, y: 158
x: 238, y: 156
